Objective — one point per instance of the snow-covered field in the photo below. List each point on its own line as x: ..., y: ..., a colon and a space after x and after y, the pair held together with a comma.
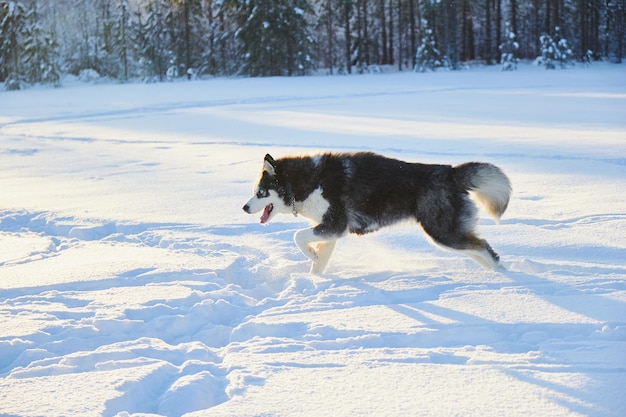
x: 132, y: 283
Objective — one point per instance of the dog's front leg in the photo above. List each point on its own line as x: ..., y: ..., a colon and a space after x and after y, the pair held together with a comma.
x: 324, y: 250
x: 304, y: 239
x: 319, y: 253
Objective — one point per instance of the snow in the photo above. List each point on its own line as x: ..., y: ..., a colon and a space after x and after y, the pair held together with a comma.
x: 132, y: 283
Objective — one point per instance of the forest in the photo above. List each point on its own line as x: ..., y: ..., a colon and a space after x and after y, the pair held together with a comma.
x: 157, y: 40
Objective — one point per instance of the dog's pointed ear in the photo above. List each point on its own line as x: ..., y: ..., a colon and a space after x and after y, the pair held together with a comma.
x: 269, y: 165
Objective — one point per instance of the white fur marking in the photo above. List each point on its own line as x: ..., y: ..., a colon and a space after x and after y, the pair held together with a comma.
x: 304, y: 238
x: 318, y: 253
x: 256, y: 204
x: 493, y: 190
x: 313, y: 207
x: 482, y: 257
x: 324, y: 250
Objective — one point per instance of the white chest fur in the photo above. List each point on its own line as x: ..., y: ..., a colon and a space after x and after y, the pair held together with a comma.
x: 313, y: 207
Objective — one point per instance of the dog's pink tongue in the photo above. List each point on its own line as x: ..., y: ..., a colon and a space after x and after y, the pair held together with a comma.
x: 266, y: 213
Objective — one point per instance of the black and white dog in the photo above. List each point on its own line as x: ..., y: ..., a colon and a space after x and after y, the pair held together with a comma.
x: 359, y: 193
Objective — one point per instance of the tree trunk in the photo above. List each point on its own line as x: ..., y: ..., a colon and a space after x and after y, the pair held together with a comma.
x: 347, y: 33
x: 498, y: 18
x: 329, y: 35
x: 383, y: 41
x: 187, y: 34
x: 451, y: 33
x: 412, y: 28
x: 488, y: 42
x: 390, y: 49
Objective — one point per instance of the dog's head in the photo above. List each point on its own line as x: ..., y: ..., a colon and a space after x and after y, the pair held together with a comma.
x: 268, y: 193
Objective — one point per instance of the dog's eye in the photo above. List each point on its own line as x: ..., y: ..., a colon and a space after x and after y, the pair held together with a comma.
x: 262, y: 193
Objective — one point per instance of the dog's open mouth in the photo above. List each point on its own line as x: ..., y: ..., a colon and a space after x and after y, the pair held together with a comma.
x: 266, y: 213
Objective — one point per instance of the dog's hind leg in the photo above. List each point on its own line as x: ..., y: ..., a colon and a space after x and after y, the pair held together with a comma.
x: 451, y: 225
x: 463, y: 241
x: 472, y: 246
x: 485, y: 256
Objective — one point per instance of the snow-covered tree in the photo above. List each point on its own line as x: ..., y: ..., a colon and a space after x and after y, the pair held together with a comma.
x: 40, y: 53
x: 428, y: 57
x: 185, y: 22
x: 508, y: 49
x: 105, y: 60
x: 327, y: 37
x: 121, y: 39
x: 12, y: 21
x: 123, y: 43
x: 554, y: 51
x: 274, y: 37
x: 222, y: 47
x: 155, y: 51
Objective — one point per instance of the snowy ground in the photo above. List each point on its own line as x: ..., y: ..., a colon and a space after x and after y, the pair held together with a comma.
x: 131, y: 282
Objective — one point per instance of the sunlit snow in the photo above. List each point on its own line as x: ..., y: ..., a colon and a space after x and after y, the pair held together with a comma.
x: 132, y: 283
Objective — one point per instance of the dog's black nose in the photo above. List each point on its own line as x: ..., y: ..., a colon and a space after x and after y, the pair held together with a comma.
x: 246, y: 208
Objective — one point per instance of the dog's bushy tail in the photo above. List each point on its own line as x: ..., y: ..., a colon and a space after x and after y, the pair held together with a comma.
x: 490, y: 185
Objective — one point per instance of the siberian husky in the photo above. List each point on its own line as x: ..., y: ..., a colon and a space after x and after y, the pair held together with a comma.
x: 359, y: 193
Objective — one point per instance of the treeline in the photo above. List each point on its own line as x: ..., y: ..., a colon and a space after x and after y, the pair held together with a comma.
x: 158, y: 39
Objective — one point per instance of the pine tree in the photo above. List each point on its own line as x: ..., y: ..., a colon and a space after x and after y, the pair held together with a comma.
x: 554, y: 51
x: 428, y: 57
x: 13, y: 18
x: 183, y: 20
x: 123, y: 38
x: 40, y: 53
x: 156, y: 54
x: 301, y: 56
x: 106, y: 60
x: 326, y: 33
x: 565, y: 54
x: 274, y: 37
x: 224, y: 57
x: 548, y: 52
x: 508, y: 58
